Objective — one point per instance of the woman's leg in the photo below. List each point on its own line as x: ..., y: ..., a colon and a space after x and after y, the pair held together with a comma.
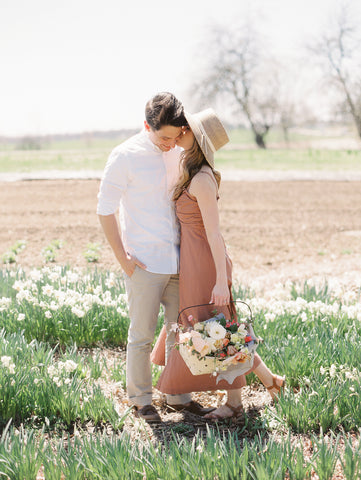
x: 273, y: 383
x: 232, y: 408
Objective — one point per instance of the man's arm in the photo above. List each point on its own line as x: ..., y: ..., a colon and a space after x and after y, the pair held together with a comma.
x: 113, y: 235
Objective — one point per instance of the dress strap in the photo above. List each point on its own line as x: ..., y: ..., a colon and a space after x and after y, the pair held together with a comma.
x: 214, y: 180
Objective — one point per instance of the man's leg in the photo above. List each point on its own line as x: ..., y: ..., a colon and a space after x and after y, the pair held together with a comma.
x: 170, y: 301
x: 144, y: 290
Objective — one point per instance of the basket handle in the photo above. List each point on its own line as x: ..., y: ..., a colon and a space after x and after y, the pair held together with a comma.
x: 205, y: 304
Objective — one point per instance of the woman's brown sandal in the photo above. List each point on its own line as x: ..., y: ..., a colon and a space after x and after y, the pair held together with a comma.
x: 237, y: 412
x: 275, y: 386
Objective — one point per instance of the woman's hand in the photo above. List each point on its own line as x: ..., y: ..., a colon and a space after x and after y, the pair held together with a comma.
x: 220, y: 294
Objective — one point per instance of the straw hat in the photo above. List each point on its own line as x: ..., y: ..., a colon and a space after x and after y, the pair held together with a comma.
x: 209, y: 132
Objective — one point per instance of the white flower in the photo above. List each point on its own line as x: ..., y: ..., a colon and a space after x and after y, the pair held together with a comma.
x: 242, y: 331
x: 237, y: 337
x: 8, y: 363
x: 21, y: 317
x: 215, y: 330
x: 52, y: 371
x: 5, y: 360
x: 57, y: 381
x: 322, y: 370
x: 199, y: 326
x: 269, y: 317
x: 4, y: 303
x: 47, y: 290
x: 333, y: 370
x: 54, y: 276
x: 212, y: 344
x: 47, y: 314
x: 18, y: 285
x: 70, y: 366
x: 36, y: 275
x: 78, y: 312
x: 72, y: 277
x: 109, y: 283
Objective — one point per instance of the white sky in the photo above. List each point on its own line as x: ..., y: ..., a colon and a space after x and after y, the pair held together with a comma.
x: 76, y: 65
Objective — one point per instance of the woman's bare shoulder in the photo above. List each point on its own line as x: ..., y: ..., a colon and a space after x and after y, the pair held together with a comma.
x: 203, y: 181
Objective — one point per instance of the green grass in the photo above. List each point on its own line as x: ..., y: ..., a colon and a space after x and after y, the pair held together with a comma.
x: 34, y: 160
x: 241, y: 153
x: 322, y: 160
x: 312, y: 335
x: 270, y: 159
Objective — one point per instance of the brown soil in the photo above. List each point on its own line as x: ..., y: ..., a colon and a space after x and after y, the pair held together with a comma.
x: 273, y: 230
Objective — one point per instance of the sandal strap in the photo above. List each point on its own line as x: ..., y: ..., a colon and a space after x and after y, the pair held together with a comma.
x: 275, y: 385
x: 235, y: 410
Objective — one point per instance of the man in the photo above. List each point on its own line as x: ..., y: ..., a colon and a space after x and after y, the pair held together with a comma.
x: 138, y: 176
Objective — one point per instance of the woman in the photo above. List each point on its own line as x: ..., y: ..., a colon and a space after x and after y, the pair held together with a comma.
x: 205, y: 268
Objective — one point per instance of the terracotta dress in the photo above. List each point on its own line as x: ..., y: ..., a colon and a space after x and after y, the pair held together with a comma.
x: 197, y: 277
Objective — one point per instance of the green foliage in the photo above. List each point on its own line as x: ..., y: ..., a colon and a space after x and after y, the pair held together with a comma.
x: 91, y: 254
x: 312, y: 335
x: 213, y: 456
x: 61, y: 307
x: 14, y: 250
x: 36, y: 384
x: 240, y: 154
x: 49, y: 252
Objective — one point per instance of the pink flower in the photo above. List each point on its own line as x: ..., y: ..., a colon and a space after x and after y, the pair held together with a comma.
x: 199, y: 344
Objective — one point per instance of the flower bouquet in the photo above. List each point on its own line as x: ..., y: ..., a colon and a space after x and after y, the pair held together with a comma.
x: 216, y: 344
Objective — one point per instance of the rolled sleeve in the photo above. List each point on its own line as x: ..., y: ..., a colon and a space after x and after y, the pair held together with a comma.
x: 113, y: 184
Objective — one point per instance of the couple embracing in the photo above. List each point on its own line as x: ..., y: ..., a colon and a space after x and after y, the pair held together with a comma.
x: 170, y: 247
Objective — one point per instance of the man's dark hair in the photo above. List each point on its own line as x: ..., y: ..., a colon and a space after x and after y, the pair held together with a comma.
x: 164, y: 109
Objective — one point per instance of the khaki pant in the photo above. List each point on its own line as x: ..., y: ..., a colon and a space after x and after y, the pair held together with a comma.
x: 146, y: 292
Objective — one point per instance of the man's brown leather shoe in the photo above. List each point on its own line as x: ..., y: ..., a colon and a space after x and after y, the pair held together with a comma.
x: 192, y: 407
x: 147, y: 413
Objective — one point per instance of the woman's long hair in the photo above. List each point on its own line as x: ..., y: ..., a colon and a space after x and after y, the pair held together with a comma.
x: 191, y: 162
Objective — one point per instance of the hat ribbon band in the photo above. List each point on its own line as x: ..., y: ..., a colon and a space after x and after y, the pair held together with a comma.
x: 206, y: 141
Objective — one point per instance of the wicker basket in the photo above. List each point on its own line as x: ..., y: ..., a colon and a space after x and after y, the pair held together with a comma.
x: 209, y: 365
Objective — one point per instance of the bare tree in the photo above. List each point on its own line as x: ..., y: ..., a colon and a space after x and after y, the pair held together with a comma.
x: 339, y: 53
x: 236, y: 71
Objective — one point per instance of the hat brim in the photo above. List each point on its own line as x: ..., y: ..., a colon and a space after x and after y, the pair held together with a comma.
x: 194, y: 125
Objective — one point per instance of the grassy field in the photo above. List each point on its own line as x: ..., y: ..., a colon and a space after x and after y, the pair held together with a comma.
x: 48, y: 387
x: 59, y: 418
x: 239, y: 154
x: 271, y: 159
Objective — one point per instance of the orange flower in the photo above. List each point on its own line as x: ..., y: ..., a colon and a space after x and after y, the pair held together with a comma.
x: 231, y: 350
x: 240, y: 357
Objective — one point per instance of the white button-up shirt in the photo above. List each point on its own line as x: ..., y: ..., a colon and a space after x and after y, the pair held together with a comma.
x: 138, y: 179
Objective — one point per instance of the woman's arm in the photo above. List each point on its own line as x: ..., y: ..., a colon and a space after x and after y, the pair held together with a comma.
x: 205, y: 191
